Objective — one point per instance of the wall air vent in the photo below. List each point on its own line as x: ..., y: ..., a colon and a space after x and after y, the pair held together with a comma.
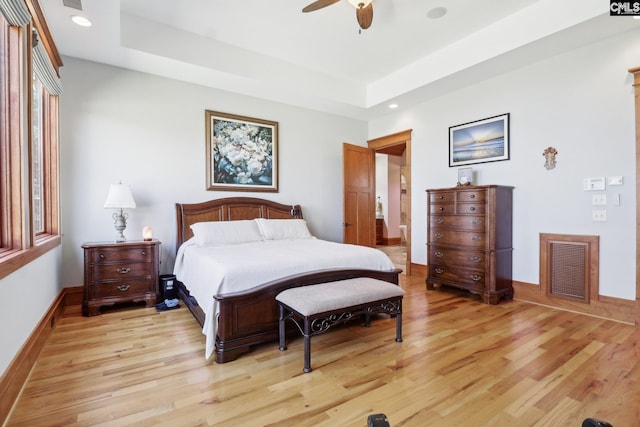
x: 569, y: 266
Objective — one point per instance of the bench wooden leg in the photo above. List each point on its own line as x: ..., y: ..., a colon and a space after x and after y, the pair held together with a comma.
x: 281, y: 332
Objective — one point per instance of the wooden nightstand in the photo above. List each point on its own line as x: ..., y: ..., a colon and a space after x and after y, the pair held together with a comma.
x: 120, y: 272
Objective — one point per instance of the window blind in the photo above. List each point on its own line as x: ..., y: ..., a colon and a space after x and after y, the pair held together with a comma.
x: 15, y: 12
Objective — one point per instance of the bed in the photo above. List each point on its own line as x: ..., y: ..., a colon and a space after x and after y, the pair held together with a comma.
x: 235, y: 319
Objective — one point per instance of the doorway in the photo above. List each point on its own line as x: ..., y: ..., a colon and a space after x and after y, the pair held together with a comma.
x: 393, y: 157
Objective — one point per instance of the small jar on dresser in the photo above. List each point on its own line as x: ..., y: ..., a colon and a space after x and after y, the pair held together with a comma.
x: 120, y: 272
x: 469, y: 239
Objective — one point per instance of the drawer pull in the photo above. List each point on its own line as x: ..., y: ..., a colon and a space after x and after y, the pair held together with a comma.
x: 439, y: 254
x: 439, y: 221
x: 101, y: 256
x: 476, y: 238
x: 439, y: 235
x: 439, y: 270
x: 476, y: 277
x: 440, y: 197
x: 123, y: 288
x: 476, y: 222
x: 475, y: 259
x: 441, y: 208
x: 472, y: 196
x: 144, y: 253
x: 472, y: 208
x: 123, y: 270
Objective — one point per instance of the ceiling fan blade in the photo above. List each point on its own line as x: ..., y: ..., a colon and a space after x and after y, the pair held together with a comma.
x: 319, y: 4
x: 365, y: 16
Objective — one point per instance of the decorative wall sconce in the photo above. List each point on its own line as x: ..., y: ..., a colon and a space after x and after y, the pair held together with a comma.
x: 550, y: 158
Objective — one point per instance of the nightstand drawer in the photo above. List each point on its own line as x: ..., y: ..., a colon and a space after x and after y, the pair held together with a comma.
x: 102, y: 255
x: 121, y: 271
x: 442, y: 197
x: 121, y: 288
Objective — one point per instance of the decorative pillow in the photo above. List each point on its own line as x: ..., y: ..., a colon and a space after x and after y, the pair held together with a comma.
x: 283, y: 229
x: 216, y: 233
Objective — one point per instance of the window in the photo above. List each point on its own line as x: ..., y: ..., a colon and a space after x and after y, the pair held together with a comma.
x: 29, y: 207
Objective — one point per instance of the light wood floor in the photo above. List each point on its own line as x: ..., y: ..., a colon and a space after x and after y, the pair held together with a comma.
x: 462, y: 363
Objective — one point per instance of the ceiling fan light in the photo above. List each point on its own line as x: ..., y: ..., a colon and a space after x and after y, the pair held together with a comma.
x: 357, y: 3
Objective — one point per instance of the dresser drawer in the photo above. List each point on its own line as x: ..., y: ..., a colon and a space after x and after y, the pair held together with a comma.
x: 121, y: 288
x: 467, y: 222
x: 470, y: 208
x: 442, y: 197
x: 112, y: 254
x: 479, y: 196
x: 444, y: 209
x: 452, y: 237
x: 121, y: 271
x: 457, y: 275
x: 451, y: 257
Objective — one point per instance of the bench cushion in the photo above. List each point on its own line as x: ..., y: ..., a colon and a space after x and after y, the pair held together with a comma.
x: 314, y: 299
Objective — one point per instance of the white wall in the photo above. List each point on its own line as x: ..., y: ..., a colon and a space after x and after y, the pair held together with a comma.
x: 581, y: 103
x: 149, y: 132
x: 28, y: 294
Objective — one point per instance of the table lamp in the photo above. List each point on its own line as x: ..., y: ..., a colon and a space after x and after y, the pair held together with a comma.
x: 120, y: 198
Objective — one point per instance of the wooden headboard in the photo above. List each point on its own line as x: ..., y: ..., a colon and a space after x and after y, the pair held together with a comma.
x: 229, y: 209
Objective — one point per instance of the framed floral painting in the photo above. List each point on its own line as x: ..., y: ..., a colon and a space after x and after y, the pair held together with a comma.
x: 242, y: 153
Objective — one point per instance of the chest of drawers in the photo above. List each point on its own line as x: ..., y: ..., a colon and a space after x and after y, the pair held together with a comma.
x: 469, y: 240
x: 120, y: 272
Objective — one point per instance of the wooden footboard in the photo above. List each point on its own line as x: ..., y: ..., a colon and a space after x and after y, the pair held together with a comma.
x: 247, y: 319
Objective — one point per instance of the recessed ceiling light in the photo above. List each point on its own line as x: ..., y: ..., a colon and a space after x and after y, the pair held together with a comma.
x: 437, y: 12
x: 393, y: 106
x: 81, y: 20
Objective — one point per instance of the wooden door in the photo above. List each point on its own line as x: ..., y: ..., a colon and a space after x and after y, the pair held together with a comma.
x: 359, y: 195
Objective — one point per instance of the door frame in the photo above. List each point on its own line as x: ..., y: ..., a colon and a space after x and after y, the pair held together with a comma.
x: 392, y: 144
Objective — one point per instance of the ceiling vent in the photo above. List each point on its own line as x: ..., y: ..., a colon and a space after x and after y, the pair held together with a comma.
x: 75, y: 4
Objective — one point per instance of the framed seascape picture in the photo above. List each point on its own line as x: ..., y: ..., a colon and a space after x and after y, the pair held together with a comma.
x: 242, y: 153
x: 482, y: 141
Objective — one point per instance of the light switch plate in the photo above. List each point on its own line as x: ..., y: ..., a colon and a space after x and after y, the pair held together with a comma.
x: 614, y: 180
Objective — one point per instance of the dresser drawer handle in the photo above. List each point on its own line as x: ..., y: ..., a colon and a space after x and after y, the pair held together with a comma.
x: 439, y: 254
x: 475, y: 259
x: 439, y: 235
x: 144, y: 253
x: 123, y: 288
x: 476, y: 238
x: 472, y: 196
x: 440, y: 197
x: 101, y: 256
x: 472, y: 208
x: 441, y: 208
x: 439, y: 270
x: 476, y: 222
x: 439, y: 221
x: 123, y: 270
x: 476, y: 277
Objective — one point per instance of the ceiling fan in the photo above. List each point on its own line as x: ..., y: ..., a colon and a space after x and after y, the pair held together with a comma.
x: 364, y: 10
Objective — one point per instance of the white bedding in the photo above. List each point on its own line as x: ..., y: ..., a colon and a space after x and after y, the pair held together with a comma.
x: 218, y: 270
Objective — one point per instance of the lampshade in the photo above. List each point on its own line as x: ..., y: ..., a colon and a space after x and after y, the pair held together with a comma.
x: 119, y: 197
x: 356, y: 3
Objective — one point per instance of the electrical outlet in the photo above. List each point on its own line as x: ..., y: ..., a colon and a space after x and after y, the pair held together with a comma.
x: 599, y: 215
x: 599, y: 199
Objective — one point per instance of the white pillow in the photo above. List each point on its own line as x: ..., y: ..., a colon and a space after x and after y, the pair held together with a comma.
x: 283, y: 229
x: 216, y: 233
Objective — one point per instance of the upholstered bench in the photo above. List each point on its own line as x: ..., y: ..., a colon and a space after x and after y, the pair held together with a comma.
x: 315, y: 308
